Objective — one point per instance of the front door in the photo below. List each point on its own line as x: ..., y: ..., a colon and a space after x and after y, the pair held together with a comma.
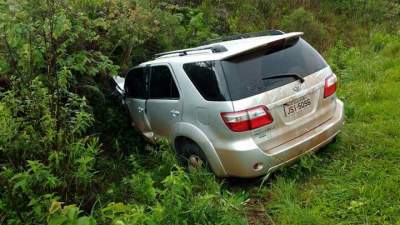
x: 136, y: 96
x: 164, y: 105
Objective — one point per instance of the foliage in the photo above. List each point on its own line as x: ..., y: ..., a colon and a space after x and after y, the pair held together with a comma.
x: 69, y: 156
x: 301, y: 19
x: 67, y: 215
x: 180, y: 200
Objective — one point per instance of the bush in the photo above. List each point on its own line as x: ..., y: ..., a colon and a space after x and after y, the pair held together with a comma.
x: 53, y: 55
x: 67, y: 215
x: 304, y: 21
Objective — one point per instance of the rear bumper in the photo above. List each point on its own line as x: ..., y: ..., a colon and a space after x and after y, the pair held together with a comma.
x: 241, y: 163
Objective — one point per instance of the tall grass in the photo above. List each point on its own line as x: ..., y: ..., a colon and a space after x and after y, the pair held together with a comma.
x: 355, y: 180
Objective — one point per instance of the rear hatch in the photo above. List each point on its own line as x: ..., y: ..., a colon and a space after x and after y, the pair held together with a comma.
x: 287, y: 77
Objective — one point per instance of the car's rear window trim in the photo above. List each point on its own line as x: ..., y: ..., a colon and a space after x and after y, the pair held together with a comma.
x: 254, y: 86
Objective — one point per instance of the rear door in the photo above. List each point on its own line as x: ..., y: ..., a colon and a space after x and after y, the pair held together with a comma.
x: 135, y: 87
x: 289, y: 80
x: 164, y: 106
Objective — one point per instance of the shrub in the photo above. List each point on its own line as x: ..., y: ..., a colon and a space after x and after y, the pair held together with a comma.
x: 45, y: 146
x: 67, y: 215
x: 304, y: 21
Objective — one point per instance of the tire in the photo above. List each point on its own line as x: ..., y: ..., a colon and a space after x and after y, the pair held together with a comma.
x: 191, y: 156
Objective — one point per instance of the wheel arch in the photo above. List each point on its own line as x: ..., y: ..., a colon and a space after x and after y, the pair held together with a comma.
x: 189, y: 132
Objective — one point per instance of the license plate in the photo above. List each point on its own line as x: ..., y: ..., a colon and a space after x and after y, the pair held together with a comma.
x: 297, y: 105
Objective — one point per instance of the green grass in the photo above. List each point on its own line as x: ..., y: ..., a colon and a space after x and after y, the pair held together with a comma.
x: 355, y: 180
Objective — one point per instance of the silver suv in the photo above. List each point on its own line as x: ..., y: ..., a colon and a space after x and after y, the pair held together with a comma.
x: 244, y: 105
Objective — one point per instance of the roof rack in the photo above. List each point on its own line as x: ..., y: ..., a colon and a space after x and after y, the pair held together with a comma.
x: 213, y: 48
x: 244, y: 35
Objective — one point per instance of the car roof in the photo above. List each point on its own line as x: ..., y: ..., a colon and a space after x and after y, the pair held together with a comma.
x: 233, y: 48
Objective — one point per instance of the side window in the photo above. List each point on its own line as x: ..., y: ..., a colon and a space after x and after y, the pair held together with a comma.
x: 162, y: 84
x: 135, y: 83
x: 205, y: 78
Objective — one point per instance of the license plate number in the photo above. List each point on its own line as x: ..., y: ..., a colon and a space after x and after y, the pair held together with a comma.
x: 297, y: 105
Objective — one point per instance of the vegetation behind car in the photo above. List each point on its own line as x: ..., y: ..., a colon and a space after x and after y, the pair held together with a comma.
x: 66, y: 154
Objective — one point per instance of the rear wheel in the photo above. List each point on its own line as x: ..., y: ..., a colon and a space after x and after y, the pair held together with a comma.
x: 190, y: 154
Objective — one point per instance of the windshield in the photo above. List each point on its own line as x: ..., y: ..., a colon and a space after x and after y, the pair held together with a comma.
x: 257, y: 73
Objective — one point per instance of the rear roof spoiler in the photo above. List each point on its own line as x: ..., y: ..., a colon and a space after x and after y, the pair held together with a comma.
x: 279, y: 40
x: 243, y: 36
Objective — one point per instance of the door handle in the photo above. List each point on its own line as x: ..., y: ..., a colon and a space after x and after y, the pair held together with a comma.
x: 175, y: 113
x: 140, y: 109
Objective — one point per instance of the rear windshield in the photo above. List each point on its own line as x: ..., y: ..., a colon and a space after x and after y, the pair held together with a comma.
x: 248, y: 76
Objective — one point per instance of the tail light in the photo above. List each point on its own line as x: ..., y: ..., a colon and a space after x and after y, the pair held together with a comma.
x: 330, y: 85
x: 248, y: 119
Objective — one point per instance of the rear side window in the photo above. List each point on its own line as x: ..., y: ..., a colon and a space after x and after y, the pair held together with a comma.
x: 207, y: 79
x: 162, y: 84
x: 246, y: 77
x: 135, y: 83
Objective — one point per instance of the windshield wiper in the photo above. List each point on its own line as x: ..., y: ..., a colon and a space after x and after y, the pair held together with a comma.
x: 295, y: 75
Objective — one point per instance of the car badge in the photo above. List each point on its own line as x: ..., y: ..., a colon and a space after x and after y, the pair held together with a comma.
x: 297, y: 87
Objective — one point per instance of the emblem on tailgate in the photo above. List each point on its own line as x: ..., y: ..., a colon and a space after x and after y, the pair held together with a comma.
x: 297, y: 87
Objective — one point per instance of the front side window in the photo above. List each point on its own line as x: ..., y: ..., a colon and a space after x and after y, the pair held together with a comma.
x: 162, y: 84
x: 135, y: 83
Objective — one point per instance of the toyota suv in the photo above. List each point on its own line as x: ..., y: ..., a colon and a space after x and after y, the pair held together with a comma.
x: 244, y: 105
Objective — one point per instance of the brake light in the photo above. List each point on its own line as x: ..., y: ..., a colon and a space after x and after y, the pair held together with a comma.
x: 330, y: 85
x: 248, y: 119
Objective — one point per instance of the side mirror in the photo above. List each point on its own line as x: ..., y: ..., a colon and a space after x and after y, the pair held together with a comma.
x: 119, y: 84
x: 119, y: 88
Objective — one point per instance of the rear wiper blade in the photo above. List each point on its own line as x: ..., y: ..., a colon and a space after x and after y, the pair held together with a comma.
x: 295, y: 75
